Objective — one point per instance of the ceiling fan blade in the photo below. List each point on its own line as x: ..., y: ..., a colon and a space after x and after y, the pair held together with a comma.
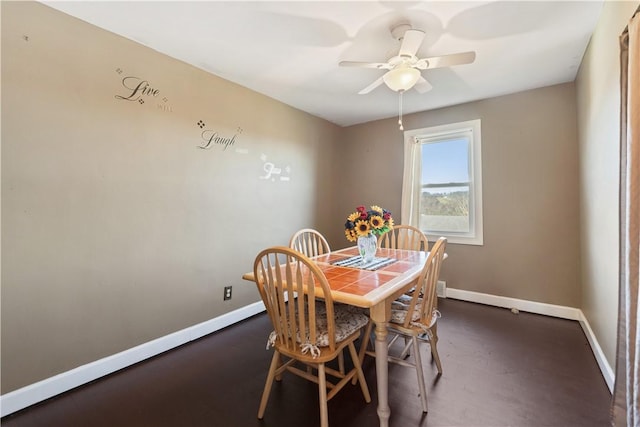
x: 377, y: 65
x: 411, y: 42
x: 423, y: 85
x: 371, y: 87
x: 446, y: 60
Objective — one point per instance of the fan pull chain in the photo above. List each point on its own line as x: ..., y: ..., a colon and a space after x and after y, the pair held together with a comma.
x: 400, y: 108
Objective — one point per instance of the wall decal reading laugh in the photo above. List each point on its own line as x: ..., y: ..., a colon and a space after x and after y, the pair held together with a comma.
x: 212, y: 137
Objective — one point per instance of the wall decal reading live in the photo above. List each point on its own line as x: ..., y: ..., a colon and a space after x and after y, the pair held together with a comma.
x: 271, y: 171
x: 136, y: 89
x: 212, y: 137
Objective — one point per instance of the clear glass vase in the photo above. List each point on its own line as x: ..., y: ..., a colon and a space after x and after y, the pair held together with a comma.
x: 367, y: 246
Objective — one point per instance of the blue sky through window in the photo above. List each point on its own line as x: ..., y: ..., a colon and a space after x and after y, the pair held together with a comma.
x: 445, y: 161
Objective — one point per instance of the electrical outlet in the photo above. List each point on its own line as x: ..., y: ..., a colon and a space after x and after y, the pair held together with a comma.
x: 227, y: 293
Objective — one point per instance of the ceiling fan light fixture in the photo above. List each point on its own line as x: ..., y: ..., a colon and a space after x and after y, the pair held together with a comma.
x: 400, y: 79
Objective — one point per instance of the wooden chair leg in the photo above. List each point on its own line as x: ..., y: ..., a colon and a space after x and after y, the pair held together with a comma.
x: 434, y: 352
x: 322, y: 389
x: 420, y: 374
x: 405, y: 350
x: 278, y: 377
x: 364, y: 343
x: 275, y: 363
x: 360, y: 374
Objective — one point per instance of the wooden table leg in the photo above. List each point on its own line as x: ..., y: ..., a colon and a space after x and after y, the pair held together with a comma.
x: 378, y: 315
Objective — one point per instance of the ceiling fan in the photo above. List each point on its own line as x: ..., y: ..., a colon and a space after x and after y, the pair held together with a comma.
x: 404, y: 69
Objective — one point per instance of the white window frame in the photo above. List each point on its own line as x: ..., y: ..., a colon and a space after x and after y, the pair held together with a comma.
x: 411, y: 188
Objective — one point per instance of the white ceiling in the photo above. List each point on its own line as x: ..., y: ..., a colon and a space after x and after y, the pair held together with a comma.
x: 290, y: 50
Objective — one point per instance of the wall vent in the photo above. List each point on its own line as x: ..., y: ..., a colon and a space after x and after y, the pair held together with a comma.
x: 441, y: 289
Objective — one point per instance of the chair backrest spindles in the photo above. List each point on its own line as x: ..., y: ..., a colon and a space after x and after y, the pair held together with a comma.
x: 310, y: 242
x: 426, y: 288
x: 291, y: 287
x: 404, y: 237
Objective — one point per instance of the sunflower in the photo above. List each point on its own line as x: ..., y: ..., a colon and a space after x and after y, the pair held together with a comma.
x: 351, y: 234
x: 363, y: 222
x: 363, y: 228
x: 377, y: 209
x: 376, y: 222
x: 353, y: 216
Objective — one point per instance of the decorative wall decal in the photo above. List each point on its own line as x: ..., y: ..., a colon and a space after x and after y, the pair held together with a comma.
x: 271, y: 171
x: 137, y: 89
x: 211, y: 137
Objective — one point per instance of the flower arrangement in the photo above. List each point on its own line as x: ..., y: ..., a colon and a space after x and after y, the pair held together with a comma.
x: 364, y: 222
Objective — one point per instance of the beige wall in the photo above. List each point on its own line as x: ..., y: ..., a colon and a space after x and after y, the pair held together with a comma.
x: 530, y: 191
x: 598, y: 92
x: 116, y: 228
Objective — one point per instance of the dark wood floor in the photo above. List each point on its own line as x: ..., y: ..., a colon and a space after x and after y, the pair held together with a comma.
x: 500, y: 369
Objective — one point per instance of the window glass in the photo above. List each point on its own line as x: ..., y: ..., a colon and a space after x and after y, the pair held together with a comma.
x: 442, y: 183
x: 444, y: 198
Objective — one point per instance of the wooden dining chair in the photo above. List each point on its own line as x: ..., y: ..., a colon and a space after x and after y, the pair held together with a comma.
x: 309, y: 330
x: 415, y: 317
x: 404, y: 237
x: 309, y: 242
x: 312, y: 243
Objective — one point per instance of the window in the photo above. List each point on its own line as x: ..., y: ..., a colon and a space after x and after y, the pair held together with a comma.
x: 442, y: 185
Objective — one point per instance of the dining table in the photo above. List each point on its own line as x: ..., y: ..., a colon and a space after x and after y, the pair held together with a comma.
x: 373, y: 285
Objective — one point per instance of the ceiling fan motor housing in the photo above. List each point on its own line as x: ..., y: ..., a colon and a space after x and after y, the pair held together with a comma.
x: 398, y: 31
x: 403, y: 69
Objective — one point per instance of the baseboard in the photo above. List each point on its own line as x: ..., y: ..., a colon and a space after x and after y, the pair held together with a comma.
x: 605, y: 368
x: 547, y: 310
x: 519, y: 304
x: 45, y: 389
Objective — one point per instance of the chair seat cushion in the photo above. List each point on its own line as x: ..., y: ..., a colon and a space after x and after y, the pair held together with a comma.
x: 347, y: 321
x: 400, y: 309
x: 321, y: 308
